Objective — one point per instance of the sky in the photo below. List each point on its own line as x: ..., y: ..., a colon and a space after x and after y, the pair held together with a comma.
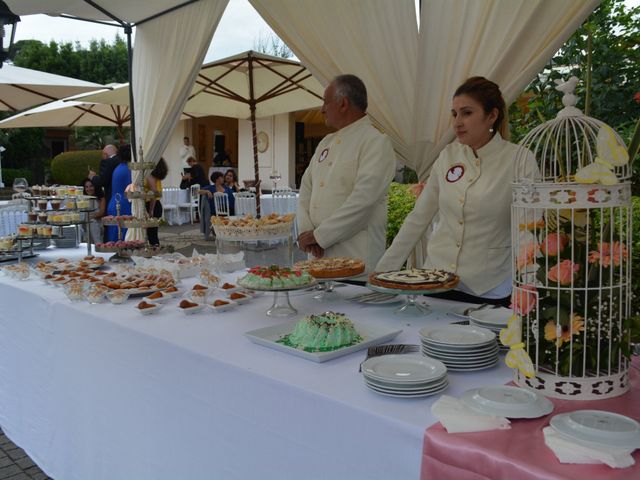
x: 239, y: 28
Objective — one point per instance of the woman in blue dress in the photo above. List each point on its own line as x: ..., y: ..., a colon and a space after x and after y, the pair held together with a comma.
x: 119, y: 181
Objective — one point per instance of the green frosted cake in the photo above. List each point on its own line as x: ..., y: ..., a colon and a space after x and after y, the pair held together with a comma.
x: 274, y: 278
x: 322, y: 333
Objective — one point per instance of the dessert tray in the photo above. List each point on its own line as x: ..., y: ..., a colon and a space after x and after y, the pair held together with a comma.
x: 371, y: 335
x: 506, y: 401
x: 270, y: 227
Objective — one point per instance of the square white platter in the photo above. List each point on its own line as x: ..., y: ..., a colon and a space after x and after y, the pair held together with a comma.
x: 371, y: 335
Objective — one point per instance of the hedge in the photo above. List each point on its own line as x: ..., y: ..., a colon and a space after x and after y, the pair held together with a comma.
x: 401, y: 202
x: 8, y: 174
x: 70, y: 168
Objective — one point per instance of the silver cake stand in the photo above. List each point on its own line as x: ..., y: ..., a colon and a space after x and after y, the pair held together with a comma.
x: 410, y: 306
x: 281, y: 306
x: 327, y: 290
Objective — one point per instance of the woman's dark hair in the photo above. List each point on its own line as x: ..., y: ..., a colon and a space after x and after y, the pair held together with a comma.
x: 233, y: 172
x: 161, y: 170
x: 488, y: 94
x: 99, y: 193
x: 215, y: 176
x: 125, y: 153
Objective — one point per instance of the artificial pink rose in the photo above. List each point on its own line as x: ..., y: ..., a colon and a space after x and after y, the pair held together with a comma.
x: 562, y: 273
x: 554, y: 244
x: 636, y: 97
x: 527, y: 255
x: 416, y: 189
x: 607, y: 253
x: 523, y: 299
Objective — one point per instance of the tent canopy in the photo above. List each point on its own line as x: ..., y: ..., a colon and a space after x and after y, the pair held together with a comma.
x: 21, y: 88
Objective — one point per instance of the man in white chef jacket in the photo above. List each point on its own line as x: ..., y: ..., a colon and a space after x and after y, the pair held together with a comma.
x: 342, y: 206
x: 186, y: 151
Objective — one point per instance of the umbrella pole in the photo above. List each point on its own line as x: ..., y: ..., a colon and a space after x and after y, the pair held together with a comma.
x: 256, y: 166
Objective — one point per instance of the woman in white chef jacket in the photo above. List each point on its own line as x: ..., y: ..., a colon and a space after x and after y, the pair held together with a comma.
x: 470, y: 187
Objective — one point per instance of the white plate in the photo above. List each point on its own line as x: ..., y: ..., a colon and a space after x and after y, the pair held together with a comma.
x: 466, y: 335
x: 222, y: 308
x: 192, y: 310
x: 505, y: 401
x: 492, y: 317
x: 455, y: 349
x: 150, y: 310
x: 404, y: 369
x: 461, y: 353
x: 467, y: 365
x: 459, y: 358
x: 410, y: 391
x: 599, y: 427
x: 240, y: 301
x: 407, y: 387
x: 408, y: 395
x: 474, y: 368
x: 371, y: 335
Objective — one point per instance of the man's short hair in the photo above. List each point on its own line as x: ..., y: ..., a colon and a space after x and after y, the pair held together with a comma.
x: 352, y: 88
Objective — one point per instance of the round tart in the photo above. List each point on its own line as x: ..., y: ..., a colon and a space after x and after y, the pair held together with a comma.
x: 332, y: 267
x: 415, y: 279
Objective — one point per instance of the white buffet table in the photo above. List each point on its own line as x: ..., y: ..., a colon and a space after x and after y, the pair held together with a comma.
x: 102, y: 392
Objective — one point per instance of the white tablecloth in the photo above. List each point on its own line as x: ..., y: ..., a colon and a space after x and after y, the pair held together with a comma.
x: 101, y: 392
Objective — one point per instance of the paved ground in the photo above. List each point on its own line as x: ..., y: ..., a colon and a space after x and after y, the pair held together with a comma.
x: 15, y: 464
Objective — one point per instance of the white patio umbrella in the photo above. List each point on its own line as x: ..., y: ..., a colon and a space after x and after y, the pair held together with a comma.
x: 74, y: 112
x: 245, y: 86
x: 22, y: 88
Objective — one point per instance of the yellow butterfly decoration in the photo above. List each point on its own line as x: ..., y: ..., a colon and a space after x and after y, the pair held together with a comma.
x: 610, y: 154
x: 517, y: 357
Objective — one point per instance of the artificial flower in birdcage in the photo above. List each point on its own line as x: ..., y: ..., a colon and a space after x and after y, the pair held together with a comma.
x: 571, y: 232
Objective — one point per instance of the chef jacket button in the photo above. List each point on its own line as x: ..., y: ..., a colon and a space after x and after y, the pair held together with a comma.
x: 338, y: 141
x: 460, y: 221
x: 330, y: 163
x: 478, y: 162
x: 322, y: 184
x: 453, y: 266
x: 457, y: 244
x: 470, y: 180
x: 461, y: 199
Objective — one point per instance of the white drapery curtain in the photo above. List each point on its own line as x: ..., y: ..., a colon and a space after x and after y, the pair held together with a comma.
x: 507, y: 41
x: 375, y: 39
x: 167, y: 57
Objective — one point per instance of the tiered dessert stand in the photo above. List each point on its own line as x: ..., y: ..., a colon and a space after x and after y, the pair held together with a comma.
x: 411, y: 305
x: 281, y: 306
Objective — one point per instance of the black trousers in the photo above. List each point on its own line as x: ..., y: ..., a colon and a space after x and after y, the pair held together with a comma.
x: 152, y: 233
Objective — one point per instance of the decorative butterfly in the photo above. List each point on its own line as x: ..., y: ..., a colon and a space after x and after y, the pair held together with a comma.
x: 517, y: 357
x: 610, y: 154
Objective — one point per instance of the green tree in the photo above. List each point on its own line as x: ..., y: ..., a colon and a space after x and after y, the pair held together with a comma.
x: 610, y: 36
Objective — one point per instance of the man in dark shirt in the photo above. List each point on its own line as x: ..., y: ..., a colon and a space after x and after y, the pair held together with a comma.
x: 194, y: 175
x: 109, y: 162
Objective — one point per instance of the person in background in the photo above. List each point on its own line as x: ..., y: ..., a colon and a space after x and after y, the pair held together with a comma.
x: 342, y: 207
x: 120, y: 180
x: 186, y: 150
x: 231, y: 180
x: 108, y: 164
x: 470, y: 187
x: 153, y: 183
x: 193, y: 175
x: 207, y: 191
x: 95, y: 222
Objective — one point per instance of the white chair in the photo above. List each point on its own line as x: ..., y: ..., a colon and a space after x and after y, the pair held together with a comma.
x: 170, y: 204
x: 221, y: 202
x: 246, y: 204
x: 192, y: 203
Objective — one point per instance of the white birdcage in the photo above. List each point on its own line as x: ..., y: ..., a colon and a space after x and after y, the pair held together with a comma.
x: 571, y: 237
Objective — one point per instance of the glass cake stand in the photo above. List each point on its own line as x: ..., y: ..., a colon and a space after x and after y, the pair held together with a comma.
x: 410, y: 306
x: 327, y: 290
x: 281, y: 306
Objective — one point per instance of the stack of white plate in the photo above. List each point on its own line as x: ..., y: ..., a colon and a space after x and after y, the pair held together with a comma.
x: 494, y: 319
x: 405, y: 376
x: 460, y: 347
x: 598, y: 427
x: 69, y: 238
x: 505, y: 401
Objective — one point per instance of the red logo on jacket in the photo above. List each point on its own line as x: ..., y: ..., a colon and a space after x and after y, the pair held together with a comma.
x: 455, y: 173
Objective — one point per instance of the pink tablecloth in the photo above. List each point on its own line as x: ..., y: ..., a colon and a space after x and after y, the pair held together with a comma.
x: 520, y: 453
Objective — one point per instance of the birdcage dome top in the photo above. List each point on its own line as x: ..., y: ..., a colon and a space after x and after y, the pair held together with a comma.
x: 573, y: 148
